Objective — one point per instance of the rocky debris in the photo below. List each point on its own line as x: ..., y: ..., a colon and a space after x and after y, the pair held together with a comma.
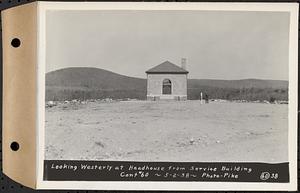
x: 50, y: 104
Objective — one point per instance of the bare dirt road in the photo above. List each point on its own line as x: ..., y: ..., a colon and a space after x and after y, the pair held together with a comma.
x: 167, y: 131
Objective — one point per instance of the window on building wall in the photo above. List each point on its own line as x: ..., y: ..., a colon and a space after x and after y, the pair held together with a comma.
x: 167, y: 86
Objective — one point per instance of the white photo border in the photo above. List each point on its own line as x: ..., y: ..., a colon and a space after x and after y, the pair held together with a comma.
x: 292, y: 8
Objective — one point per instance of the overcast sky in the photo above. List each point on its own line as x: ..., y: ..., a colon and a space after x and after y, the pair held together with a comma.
x: 217, y: 45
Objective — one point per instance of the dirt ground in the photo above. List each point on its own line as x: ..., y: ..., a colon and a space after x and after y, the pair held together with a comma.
x: 168, y: 131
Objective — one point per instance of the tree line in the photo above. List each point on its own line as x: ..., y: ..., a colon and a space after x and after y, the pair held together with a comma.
x: 249, y: 94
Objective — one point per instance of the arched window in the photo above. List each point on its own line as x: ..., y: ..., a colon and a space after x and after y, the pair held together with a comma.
x: 167, y: 87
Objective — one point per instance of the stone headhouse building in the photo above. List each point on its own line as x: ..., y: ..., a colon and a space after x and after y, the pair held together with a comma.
x: 167, y: 81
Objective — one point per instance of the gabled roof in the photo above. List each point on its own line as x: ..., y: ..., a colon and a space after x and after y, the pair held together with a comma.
x: 166, y: 68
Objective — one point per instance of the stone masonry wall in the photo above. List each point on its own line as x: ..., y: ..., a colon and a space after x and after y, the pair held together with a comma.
x: 155, y: 83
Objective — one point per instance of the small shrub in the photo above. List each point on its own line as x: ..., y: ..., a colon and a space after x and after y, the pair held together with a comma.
x: 272, y: 99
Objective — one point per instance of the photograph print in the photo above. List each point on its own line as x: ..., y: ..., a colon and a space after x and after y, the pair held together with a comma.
x: 167, y: 86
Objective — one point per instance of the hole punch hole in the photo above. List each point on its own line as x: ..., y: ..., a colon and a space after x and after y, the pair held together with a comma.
x: 15, y: 42
x: 15, y: 146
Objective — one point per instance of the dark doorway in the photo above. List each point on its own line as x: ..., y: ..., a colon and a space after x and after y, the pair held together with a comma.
x: 167, y: 86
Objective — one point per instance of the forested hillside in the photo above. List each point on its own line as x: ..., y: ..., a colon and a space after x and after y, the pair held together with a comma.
x: 93, y: 83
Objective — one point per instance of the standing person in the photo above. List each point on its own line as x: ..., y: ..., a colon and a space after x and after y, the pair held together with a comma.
x: 201, y: 98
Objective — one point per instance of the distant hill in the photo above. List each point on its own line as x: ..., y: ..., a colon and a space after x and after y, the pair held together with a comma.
x: 91, y: 83
x: 246, y: 89
x: 244, y: 83
x: 92, y: 78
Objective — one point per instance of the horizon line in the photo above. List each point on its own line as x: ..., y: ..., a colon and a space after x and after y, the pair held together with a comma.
x: 187, y: 78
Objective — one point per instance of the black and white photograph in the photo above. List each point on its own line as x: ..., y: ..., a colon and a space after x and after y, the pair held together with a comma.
x: 167, y: 85
x: 156, y: 85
